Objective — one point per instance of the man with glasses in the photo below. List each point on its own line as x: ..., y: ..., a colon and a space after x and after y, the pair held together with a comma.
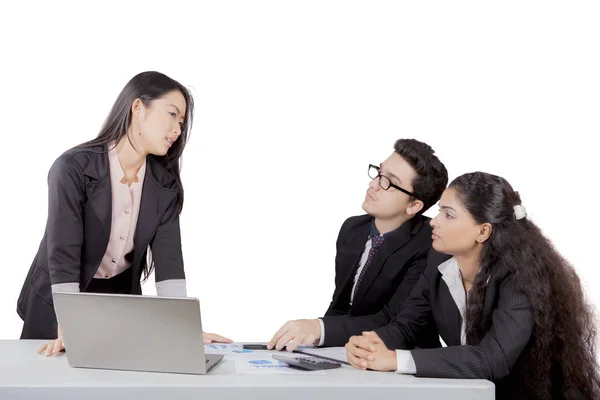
x: 380, y: 255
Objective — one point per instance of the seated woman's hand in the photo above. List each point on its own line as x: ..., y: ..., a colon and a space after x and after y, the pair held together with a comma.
x: 369, y: 352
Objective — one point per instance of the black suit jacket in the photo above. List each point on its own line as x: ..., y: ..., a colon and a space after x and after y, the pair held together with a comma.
x: 78, y: 229
x: 394, y: 271
x: 497, y: 357
x: 339, y: 329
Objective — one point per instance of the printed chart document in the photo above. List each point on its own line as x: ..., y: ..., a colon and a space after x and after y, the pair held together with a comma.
x: 264, y: 364
x: 255, y: 361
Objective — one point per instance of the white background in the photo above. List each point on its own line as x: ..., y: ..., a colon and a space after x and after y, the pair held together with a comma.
x: 294, y: 100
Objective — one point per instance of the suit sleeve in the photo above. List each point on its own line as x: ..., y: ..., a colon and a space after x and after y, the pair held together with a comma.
x: 340, y: 328
x: 167, y: 255
x: 495, y: 355
x: 339, y: 275
x: 414, y: 317
x: 66, y: 200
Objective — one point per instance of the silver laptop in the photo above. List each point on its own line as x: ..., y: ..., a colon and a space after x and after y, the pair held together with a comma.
x: 133, y: 333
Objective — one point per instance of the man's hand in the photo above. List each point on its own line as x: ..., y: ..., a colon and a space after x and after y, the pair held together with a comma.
x: 295, y: 333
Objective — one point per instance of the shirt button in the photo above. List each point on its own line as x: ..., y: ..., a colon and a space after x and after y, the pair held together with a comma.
x: 126, y: 211
x: 122, y: 237
x: 106, y: 276
x: 113, y: 261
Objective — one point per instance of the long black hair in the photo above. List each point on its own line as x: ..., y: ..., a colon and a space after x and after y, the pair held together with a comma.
x: 560, y: 358
x: 148, y: 86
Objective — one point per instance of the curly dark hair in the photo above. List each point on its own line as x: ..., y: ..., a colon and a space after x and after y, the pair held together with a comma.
x: 432, y: 176
x: 560, y: 359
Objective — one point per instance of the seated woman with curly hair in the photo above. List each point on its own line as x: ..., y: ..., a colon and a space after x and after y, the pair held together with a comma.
x: 510, y: 308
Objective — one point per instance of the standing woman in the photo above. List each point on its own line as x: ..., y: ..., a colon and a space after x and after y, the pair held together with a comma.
x: 110, y: 199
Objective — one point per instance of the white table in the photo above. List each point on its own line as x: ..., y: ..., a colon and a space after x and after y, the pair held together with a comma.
x: 27, y: 375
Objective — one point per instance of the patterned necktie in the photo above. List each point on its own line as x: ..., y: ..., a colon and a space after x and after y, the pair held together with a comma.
x: 376, y: 240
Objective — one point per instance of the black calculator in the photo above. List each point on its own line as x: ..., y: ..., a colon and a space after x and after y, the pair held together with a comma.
x: 306, y: 362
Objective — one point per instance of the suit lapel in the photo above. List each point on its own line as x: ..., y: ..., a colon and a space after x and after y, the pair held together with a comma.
x: 352, y: 256
x: 158, y: 192
x: 99, y: 191
x: 451, y: 315
x: 392, y: 242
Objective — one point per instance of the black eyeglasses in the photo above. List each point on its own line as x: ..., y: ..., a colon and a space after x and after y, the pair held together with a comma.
x: 384, y: 181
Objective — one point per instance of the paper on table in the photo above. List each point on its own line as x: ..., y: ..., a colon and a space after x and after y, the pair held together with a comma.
x: 266, y: 365
x: 254, y: 361
x: 232, y: 349
x: 235, y: 351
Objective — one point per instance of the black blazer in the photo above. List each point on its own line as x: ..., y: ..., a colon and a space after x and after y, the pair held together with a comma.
x: 339, y: 329
x: 497, y: 357
x: 78, y: 229
x: 398, y: 263
x: 395, y: 269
